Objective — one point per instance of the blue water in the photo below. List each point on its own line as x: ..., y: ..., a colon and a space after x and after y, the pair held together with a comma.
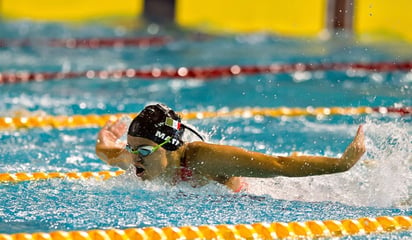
x: 381, y: 184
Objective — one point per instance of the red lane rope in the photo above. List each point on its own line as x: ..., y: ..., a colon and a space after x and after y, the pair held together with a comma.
x: 205, y: 72
x: 401, y: 111
x: 110, y: 42
x: 92, y: 42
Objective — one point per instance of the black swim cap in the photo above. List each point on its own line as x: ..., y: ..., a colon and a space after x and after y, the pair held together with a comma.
x: 157, y: 122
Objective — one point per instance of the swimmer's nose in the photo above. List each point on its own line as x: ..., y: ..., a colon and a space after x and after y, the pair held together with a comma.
x: 138, y: 164
x: 138, y: 159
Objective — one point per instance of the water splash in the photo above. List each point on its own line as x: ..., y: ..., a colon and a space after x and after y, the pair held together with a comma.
x: 390, y: 172
x: 382, y: 178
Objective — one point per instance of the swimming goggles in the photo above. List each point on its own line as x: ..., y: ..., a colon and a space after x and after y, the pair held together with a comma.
x: 145, y: 151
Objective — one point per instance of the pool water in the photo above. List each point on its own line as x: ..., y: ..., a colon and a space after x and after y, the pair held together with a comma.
x: 380, y: 184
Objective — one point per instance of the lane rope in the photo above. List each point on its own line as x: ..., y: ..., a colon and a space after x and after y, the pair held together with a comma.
x: 22, y: 176
x: 146, y: 41
x: 204, y: 73
x: 96, y: 42
x: 274, y: 230
x: 9, y: 123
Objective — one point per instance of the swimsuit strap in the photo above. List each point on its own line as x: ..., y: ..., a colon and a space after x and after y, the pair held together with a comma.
x: 185, y: 172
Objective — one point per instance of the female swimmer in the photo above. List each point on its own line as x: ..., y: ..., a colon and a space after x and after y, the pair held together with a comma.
x: 156, y: 149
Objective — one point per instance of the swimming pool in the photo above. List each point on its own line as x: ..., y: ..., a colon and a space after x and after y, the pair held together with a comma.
x: 380, y: 185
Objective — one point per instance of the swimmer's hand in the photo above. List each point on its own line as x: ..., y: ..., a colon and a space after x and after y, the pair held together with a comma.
x: 355, y: 150
x: 111, y: 132
x: 108, y: 148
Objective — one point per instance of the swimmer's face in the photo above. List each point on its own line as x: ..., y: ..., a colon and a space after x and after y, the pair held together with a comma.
x: 150, y: 166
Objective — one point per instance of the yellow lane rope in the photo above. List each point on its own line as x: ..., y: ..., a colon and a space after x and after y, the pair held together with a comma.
x: 275, y: 230
x: 8, y: 123
x: 22, y: 176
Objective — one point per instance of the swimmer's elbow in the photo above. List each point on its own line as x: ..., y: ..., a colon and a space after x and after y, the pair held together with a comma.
x: 347, y: 162
x: 343, y: 167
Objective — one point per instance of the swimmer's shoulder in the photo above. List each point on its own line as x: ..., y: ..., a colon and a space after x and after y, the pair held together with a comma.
x: 196, y: 153
x: 200, y: 147
x: 191, y: 149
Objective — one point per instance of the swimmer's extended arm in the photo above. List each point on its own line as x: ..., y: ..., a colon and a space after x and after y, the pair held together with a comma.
x: 219, y: 160
x: 109, y: 149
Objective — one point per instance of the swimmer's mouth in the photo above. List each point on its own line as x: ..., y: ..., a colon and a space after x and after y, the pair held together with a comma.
x: 139, y: 171
x: 139, y: 167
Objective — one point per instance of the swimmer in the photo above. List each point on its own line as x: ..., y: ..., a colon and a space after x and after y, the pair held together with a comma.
x: 156, y: 149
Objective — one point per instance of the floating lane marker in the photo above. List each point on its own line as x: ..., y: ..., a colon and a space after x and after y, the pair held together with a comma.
x: 76, y: 121
x: 275, y: 230
x: 22, y: 176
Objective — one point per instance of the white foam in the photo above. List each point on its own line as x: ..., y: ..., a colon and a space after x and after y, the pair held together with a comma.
x: 382, y: 178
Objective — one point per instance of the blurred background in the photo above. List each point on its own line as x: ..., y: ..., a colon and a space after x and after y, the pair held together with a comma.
x: 368, y: 20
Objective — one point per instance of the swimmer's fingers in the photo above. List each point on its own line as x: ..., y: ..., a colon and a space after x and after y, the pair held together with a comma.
x: 118, y: 128
x: 107, y: 124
